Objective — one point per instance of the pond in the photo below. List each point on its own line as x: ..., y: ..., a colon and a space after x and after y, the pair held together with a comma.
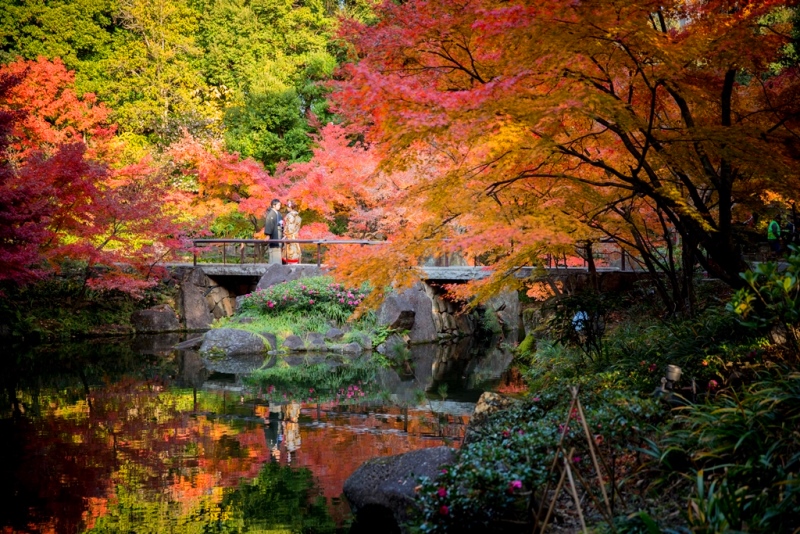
x: 131, y: 436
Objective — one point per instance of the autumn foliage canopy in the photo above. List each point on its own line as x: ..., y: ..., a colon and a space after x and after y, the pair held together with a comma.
x: 62, y: 193
x: 501, y: 131
x: 568, y: 122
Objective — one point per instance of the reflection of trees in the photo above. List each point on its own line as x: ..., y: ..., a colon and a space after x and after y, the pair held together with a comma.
x: 83, y: 454
x: 280, y: 499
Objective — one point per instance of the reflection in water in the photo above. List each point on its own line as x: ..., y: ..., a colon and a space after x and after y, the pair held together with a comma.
x: 106, y: 438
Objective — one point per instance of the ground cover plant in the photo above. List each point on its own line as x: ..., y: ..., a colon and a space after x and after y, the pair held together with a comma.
x: 720, y: 453
x: 492, y: 484
x: 737, y: 457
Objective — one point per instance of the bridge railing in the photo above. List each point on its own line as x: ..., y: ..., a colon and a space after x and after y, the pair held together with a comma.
x: 607, y: 255
x: 260, y: 246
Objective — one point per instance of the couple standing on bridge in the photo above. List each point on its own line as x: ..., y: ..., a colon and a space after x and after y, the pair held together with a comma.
x: 279, y: 227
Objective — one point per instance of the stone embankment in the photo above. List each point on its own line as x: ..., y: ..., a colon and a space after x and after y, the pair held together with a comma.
x: 420, y: 313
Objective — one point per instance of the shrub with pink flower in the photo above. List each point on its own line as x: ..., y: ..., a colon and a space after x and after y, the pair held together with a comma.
x: 311, y: 295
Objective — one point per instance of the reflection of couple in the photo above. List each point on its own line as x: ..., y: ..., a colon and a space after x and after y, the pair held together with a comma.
x: 283, y: 435
x: 278, y: 227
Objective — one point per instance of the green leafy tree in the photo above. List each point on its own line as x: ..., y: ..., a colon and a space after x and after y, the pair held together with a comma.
x: 264, y: 58
x: 78, y: 31
x: 152, y: 79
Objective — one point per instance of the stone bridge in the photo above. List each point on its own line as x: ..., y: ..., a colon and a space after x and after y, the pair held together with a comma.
x: 209, y: 291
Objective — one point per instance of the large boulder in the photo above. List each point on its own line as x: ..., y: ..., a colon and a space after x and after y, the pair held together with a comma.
x: 424, y: 329
x: 382, y: 489
x: 232, y: 342
x: 272, y: 339
x: 277, y: 274
x: 193, y: 305
x: 156, y: 319
x: 346, y: 348
x: 396, y: 312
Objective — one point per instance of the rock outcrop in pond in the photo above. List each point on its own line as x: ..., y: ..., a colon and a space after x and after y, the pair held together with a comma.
x: 233, y: 342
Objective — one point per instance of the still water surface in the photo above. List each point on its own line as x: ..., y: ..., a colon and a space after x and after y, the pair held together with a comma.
x: 130, y: 436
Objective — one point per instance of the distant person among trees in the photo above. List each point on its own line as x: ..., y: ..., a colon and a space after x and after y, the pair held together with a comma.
x: 273, y: 229
x: 774, y: 236
x: 291, y: 228
x: 790, y: 233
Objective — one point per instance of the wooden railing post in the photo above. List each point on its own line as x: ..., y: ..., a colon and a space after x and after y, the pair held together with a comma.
x: 319, y: 254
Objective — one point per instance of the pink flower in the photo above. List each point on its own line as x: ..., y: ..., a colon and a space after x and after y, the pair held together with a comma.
x: 713, y: 384
x: 652, y: 367
x: 311, y: 390
x: 515, y: 485
x: 311, y: 301
x: 341, y: 300
x: 444, y: 471
x: 506, y: 433
x: 576, y: 459
x: 442, y: 492
x: 444, y: 510
x: 536, y: 399
x: 271, y: 304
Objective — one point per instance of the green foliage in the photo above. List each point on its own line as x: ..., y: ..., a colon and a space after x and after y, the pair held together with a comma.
x: 741, y: 451
x: 282, y: 325
x: 580, y: 320
x: 282, y: 498
x: 350, y: 382
x: 315, y: 295
x: 62, y: 308
x: 493, y: 477
x: 265, y: 59
x: 150, y: 78
x: 702, y: 346
x: 771, y: 298
x: 528, y: 345
x: 233, y: 225
x: 550, y: 364
x: 78, y: 31
x: 165, y: 66
x: 269, y: 127
x: 489, y: 322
